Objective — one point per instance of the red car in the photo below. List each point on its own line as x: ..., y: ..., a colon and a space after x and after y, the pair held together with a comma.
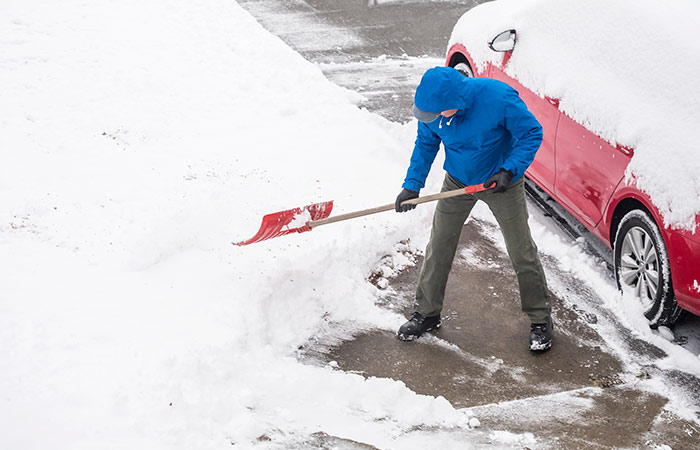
x: 586, y: 175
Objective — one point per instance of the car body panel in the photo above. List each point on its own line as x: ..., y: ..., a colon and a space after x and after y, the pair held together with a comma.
x: 622, y: 193
x: 685, y: 264
x: 589, y: 169
x: 693, y: 235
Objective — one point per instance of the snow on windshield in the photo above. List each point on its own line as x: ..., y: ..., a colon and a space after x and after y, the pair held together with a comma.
x: 625, y: 69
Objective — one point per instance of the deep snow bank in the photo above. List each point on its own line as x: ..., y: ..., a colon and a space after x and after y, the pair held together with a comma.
x: 137, y: 141
x: 625, y: 69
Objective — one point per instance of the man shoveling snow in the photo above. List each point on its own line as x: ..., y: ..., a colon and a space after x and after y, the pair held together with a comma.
x: 490, y: 137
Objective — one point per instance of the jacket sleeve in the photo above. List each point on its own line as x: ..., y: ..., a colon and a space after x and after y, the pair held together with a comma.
x: 424, y: 152
x: 526, y: 130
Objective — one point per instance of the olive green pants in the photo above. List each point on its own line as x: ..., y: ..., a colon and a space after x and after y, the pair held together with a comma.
x: 510, y: 210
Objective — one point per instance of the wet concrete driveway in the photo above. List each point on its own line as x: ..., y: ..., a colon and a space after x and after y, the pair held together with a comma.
x: 577, y: 395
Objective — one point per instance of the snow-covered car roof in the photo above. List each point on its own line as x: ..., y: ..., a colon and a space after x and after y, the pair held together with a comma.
x: 625, y: 69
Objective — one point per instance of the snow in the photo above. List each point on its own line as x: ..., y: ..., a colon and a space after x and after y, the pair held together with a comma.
x: 662, y: 447
x: 139, y: 140
x: 512, y: 438
x: 301, y: 219
x: 666, y: 333
x: 636, y: 87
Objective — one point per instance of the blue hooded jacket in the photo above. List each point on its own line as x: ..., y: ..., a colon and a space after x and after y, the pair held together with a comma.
x: 492, y: 129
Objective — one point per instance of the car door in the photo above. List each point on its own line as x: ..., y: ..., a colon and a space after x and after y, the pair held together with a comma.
x: 543, y: 168
x: 588, y: 170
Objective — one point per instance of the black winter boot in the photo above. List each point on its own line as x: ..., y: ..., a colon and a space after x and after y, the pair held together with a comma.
x: 541, y: 335
x: 418, y: 325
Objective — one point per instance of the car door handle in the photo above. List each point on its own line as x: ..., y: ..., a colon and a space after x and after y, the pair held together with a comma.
x: 629, y: 151
x: 553, y: 101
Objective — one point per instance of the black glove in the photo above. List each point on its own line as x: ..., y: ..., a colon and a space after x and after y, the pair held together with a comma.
x: 501, y: 179
x: 406, y: 194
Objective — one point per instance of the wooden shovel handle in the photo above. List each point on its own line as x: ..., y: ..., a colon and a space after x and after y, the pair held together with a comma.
x: 414, y: 201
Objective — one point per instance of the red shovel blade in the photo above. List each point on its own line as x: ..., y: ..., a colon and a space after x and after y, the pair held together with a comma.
x: 290, y: 221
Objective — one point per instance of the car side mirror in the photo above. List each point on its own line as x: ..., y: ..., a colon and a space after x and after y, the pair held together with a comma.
x: 504, y: 42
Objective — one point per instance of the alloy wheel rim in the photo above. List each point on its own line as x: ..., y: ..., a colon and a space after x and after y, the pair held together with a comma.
x: 639, y: 265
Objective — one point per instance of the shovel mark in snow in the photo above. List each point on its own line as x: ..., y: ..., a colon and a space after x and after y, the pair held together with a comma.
x: 491, y: 365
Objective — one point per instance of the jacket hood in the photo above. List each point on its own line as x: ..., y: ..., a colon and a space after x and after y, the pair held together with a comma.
x: 443, y: 88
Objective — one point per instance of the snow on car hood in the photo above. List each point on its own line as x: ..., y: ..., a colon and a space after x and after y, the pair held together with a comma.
x: 625, y: 69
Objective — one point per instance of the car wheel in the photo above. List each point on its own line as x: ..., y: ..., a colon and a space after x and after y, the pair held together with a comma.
x: 642, y: 267
x: 464, y: 69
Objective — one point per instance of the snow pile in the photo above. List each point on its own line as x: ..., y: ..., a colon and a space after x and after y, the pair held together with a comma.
x: 137, y: 141
x: 624, y: 69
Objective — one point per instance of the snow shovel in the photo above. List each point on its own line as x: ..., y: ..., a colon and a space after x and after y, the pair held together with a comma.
x: 301, y: 220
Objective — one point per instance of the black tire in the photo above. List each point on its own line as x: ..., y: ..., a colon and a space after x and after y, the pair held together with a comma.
x: 642, y: 267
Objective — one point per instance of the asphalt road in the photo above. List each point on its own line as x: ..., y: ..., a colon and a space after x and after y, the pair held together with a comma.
x: 580, y: 394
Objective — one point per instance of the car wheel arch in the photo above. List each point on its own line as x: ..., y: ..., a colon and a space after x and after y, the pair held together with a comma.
x: 459, y: 54
x: 621, y: 209
x: 457, y: 58
x: 623, y: 200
